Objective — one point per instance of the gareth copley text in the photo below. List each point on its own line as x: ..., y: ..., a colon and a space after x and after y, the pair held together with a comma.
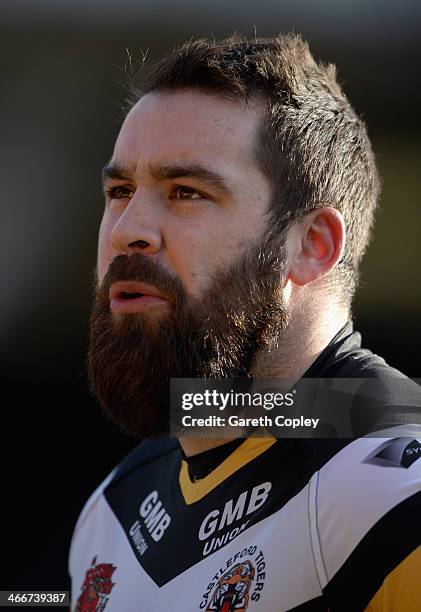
x: 261, y: 421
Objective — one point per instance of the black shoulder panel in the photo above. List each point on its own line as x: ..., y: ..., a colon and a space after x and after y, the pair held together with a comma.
x: 142, y: 454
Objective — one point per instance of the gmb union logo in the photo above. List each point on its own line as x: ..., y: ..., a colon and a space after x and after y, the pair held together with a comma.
x: 96, y: 587
x: 240, y: 581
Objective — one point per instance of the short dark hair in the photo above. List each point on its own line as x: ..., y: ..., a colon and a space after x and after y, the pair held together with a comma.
x: 312, y: 146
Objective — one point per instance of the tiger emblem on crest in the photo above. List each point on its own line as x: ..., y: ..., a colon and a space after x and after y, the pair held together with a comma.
x: 231, y: 593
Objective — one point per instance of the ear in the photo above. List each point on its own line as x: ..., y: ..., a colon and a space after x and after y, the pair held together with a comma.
x: 315, y: 245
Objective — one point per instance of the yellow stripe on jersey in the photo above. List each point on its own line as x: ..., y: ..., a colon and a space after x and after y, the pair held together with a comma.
x: 401, y: 590
x: 246, y: 452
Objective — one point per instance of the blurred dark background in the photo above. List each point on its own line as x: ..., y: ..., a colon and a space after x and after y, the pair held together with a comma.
x: 61, y: 90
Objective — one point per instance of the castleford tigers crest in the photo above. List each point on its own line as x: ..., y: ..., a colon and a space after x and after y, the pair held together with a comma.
x: 96, y: 587
x: 232, y: 591
x: 237, y: 583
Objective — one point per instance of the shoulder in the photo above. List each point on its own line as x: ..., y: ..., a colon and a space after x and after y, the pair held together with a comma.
x: 143, y: 454
x: 385, y: 398
x: 361, y: 382
x: 377, y: 395
x: 365, y: 513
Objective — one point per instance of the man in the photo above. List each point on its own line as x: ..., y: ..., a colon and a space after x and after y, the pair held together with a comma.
x: 239, y: 203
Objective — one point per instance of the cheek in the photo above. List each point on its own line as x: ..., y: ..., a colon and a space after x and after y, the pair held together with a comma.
x: 194, y: 255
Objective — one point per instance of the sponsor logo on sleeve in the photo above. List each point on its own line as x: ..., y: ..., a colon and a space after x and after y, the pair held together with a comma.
x: 400, y: 452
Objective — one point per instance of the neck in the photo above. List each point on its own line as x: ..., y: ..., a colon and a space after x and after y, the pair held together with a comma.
x: 308, y: 333
x: 306, y: 336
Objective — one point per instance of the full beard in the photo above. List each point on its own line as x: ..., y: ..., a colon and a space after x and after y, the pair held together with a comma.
x: 132, y: 357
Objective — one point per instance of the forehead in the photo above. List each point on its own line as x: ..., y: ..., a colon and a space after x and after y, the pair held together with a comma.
x: 189, y: 125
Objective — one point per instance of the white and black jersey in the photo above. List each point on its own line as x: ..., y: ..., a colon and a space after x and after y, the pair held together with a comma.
x: 278, y: 524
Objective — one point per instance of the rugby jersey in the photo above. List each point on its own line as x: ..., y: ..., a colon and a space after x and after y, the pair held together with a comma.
x: 279, y: 524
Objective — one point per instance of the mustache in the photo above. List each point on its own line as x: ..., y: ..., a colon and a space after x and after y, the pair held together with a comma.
x: 141, y: 268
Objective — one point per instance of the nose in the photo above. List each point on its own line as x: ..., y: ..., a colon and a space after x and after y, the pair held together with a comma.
x: 137, y: 229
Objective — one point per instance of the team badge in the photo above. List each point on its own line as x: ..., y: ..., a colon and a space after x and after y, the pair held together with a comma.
x: 232, y: 591
x: 96, y: 587
x: 400, y: 452
x: 237, y: 583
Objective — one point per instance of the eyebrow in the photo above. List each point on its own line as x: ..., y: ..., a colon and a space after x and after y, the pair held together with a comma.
x: 114, y: 170
x: 162, y: 172
x: 192, y: 171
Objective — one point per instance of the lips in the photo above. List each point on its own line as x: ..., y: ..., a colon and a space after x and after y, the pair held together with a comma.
x: 133, y: 296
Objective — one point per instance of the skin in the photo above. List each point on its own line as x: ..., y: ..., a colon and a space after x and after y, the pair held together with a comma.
x: 193, y: 225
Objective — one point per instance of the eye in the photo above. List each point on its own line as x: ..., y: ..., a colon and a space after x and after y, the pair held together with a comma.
x: 119, y: 193
x: 185, y: 193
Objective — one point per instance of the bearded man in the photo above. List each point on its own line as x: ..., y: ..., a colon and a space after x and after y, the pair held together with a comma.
x: 239, y: 201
